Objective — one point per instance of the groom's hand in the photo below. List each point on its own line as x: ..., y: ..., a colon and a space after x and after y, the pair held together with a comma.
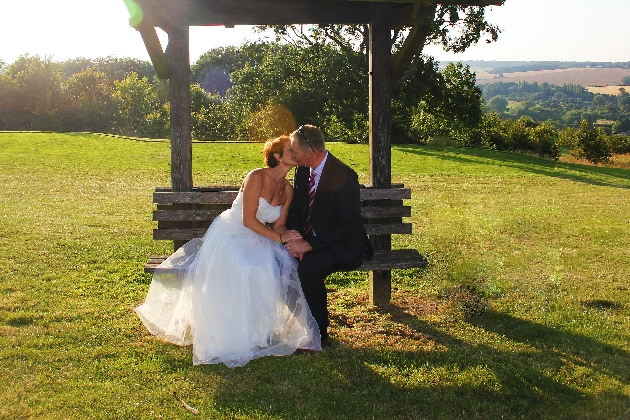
x: 298, y: 247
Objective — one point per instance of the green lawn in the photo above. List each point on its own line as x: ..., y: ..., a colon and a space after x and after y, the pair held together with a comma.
x: 523, y: 311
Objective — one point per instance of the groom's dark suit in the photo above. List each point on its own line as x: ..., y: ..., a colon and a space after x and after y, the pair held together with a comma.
x: 340, y: 242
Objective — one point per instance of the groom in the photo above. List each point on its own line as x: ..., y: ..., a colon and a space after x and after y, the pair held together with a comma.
x: 326, y: 210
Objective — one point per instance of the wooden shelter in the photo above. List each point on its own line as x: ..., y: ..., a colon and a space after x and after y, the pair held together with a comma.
x: 176, y: 16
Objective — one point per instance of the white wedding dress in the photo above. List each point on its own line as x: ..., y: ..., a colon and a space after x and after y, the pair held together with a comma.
x: 233, y: 294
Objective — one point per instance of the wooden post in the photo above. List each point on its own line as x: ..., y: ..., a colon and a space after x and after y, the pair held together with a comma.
x: 178, y: 57
x: 380, y: 131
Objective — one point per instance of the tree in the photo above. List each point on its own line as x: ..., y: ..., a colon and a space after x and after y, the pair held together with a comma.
x: 88, y: 102
x: 591, y: 144
x: 314, y: 83
x: 112, y: 67
x: 498, y: 104
x: 622, y: 126
x: 213, y: 69
x: 454, y: 27
x: 625, y: 81
x: 36, y: 92
x: 135, y: 100
x: 623, y: 101
x: 434, y: 103
x: 598, y: 100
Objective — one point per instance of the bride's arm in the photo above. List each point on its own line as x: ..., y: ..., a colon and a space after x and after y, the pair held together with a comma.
x: 280, y: 224
x: 252, y: 188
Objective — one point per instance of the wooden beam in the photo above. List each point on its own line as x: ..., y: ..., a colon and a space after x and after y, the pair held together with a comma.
x: 276, y: 12
x: 380, y: 45
x: 178, y: 55
x: 154, y: 48
x: 431, y: 2
x: 380, y: 95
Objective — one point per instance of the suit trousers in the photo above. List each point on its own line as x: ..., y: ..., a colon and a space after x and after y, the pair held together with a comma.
x: 313, y: 270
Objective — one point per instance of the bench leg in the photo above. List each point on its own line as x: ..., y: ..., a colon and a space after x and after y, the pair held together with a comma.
x: 380, y: 287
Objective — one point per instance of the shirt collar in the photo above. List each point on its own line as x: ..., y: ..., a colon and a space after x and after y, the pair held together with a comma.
x: 318, y: 170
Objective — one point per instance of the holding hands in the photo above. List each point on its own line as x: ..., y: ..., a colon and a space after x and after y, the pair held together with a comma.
x: 297, y: 247
x: 290, y: 235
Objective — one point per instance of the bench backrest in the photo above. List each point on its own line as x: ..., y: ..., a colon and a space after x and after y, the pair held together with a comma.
x: 182, y: 216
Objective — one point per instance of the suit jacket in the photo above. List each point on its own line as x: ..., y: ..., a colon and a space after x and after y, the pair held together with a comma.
x: 336, y: 215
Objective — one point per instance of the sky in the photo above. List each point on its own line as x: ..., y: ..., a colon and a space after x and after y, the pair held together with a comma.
x: 533, y: 30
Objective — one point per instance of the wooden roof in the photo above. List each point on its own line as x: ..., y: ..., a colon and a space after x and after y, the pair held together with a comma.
x: 165, y: 13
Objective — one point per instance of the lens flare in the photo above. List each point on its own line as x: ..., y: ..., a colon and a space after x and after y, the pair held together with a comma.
x: 135, y: 13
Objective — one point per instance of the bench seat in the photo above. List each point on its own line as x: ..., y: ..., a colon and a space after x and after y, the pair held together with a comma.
x: 382, y: 260
x: 182, y: 216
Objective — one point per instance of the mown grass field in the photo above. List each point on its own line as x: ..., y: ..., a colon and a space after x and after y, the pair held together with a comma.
x: 522, y: 313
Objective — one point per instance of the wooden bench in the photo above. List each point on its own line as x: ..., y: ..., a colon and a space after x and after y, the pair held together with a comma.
x: 182, y: 216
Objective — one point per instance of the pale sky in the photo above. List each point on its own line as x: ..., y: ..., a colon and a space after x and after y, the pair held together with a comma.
x: 533, y: 30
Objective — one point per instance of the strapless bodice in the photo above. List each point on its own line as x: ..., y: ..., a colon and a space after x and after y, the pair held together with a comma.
x: 266, y: 213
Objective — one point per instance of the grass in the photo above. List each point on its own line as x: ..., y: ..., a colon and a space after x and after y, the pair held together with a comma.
x: 616, y: 161
x: 523, y: 311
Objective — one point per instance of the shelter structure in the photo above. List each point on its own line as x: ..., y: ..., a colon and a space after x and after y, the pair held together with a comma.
x: 176, y: 16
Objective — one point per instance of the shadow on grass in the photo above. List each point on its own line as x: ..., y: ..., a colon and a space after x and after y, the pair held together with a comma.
x: 595, y: 175
x: 544, y: 378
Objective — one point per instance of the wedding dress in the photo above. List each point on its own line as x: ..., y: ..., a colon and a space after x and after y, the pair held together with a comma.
x: 233, y: 294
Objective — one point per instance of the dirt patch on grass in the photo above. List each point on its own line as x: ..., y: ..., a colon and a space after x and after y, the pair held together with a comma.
x: 398, y: 325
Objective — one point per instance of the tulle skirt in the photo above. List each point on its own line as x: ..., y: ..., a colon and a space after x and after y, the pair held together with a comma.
x: 234, y: 295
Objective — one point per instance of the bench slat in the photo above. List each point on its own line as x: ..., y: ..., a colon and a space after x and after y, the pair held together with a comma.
x: 397, y: 258
x: 209, y: 215
x: 382, y: 260
x: 388, y: 228
x: 194, y: 197
x: 185, y: 215
x: 226, y: 197
x: 385, y: 194
x: 186, y: 234
x: 381, y: 212
x: 178, y: 234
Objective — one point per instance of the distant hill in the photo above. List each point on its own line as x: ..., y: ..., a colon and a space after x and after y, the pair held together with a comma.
x: 585, y: 73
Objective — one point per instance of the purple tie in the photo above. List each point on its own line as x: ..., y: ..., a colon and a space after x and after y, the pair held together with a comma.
x: 308, y: 229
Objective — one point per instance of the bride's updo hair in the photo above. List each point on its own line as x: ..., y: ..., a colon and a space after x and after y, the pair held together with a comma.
x: 274, y: 146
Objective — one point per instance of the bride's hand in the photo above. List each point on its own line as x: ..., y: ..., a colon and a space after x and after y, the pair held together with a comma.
x: 291, y: 235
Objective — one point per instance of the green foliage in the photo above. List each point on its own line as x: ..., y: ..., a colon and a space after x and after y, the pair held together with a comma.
x: 216, y: 121
x: 621, y: 126
x: 135, y: 99
x: 565, y: 105
x: 620, y: 144
x: 435, y: 103
x: 498, y: 104
x: 625, y: 81
x: 113, y: 68
x: 591, y: 144
x: 522, y: 135
x: 212, y: 69
x: 32, y: 92
x: 294, y: 78
x: 88, y: 102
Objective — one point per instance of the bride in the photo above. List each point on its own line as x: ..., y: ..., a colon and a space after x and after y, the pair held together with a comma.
x: 235, y: 294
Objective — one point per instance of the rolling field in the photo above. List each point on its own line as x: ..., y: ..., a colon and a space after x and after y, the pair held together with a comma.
x: 581, y: 76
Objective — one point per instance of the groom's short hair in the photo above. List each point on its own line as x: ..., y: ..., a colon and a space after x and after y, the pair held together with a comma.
x: 310, y: 136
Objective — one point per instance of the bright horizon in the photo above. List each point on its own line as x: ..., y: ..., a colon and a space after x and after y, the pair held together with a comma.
x: 533, y: 30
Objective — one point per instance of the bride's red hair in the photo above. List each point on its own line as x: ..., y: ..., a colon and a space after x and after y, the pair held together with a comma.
x: 273, y: 146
